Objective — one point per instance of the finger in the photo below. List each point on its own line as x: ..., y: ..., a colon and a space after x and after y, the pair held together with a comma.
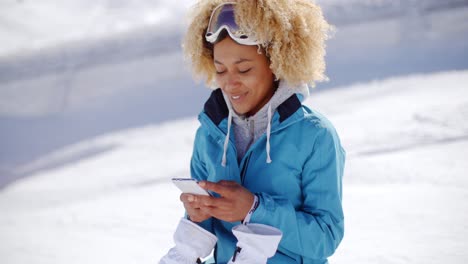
x: 194, y: 205
x: 208, y: 201
x: 228, y: 183
x: 225, y: 215
x: 216, y: 187
x: 190, y: 198
x: 187, y: 198
x: 193, y: 209
x: 198, y: 215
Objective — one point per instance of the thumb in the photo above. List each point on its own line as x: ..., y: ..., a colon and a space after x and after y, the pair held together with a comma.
x: 228, y: 183
x: 217, y: 187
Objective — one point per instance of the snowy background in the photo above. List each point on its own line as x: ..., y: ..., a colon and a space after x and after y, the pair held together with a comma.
x: 93, y: 126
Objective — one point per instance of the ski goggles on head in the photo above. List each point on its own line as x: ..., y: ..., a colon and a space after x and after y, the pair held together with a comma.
x: 223, y: 18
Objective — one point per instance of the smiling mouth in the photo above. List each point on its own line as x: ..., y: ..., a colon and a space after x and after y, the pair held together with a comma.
x: 237, y: 97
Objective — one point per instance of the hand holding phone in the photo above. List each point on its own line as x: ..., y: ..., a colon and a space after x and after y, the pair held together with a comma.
x: 188, y: 185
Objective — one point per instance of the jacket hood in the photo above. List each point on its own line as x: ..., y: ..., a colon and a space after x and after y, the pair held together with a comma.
x: 285, y: 99
x: 217, y: 109
x: 247, y: 130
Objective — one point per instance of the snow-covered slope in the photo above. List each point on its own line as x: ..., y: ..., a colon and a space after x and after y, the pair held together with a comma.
x: 50, y: 22
x: 345, y: 12
x: 33, y: 25
x: 109, y: 198
x: 89, y: 91
x: 109, y: 61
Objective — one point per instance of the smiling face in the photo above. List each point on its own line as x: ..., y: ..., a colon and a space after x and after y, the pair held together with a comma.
x: 243, y: 75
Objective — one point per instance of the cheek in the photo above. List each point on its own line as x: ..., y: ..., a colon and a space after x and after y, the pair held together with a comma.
x: 220, y: 81
x: 254, y: 82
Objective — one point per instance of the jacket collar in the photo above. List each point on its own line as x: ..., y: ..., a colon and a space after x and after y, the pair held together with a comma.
x: 217, y: 110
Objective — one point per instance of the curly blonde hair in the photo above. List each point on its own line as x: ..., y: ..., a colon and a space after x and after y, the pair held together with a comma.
x: 294, y: 31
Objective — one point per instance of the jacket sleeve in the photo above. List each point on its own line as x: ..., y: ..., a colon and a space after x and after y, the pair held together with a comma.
x: 198, y: 172
x: 316, y: 229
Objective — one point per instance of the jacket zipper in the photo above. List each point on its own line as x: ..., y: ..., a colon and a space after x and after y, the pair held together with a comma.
x: 244, y: 167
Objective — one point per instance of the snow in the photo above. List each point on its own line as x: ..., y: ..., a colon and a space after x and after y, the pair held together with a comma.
x: 53, y: 22
x: 88, y: 145
x: 86, y: 58
x: 405, y: 183
x: 109, y: 198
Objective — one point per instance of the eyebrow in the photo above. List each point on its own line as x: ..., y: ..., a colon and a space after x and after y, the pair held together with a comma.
x: 236, y: 62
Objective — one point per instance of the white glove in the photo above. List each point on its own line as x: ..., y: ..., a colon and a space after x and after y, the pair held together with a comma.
x: 255, y: 243
x: 191, y: 242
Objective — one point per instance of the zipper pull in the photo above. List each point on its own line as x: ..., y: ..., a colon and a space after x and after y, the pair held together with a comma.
x: 237, y: 251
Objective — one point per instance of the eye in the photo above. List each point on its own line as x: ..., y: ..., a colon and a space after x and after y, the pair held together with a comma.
x: 220, y: 72
x: 246, y: 71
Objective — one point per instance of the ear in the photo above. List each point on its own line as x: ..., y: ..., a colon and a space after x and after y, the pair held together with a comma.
x: 275, y: 82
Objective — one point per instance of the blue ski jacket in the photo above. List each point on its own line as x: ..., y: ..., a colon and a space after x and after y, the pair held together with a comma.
x: 300, y: 191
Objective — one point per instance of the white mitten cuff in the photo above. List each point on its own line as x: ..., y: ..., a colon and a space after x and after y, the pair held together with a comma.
x: 191, y: 242
x: 256, y: 243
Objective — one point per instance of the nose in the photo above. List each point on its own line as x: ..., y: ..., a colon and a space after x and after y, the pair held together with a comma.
x: 232, y: 82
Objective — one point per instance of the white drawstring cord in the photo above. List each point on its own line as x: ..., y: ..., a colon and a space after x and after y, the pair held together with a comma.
x: 268, y: 135
x: 226, y: 140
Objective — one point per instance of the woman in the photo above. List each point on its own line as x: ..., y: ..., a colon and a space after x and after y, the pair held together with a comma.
x: 269, y: 159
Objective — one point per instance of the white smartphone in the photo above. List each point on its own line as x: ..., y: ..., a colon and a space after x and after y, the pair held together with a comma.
x: 188, y: 185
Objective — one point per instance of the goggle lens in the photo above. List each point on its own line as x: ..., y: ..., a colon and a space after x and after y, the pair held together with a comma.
x: 223, y: 17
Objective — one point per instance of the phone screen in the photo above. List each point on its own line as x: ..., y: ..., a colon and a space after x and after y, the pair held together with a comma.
x: 188, y: 185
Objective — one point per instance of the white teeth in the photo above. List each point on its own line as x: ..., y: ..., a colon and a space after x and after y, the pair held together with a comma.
x: 236, y: 97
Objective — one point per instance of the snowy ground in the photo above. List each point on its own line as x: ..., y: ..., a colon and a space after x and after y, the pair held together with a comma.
x: 87, y: 144
x: 406, y: 186
x: 109, y: 198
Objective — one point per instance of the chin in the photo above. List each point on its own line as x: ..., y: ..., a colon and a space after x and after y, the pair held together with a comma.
x: 240, y: 111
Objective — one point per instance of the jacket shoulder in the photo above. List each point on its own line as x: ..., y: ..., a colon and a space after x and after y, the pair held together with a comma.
x: 320, y: 129
x: 317, y: 121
